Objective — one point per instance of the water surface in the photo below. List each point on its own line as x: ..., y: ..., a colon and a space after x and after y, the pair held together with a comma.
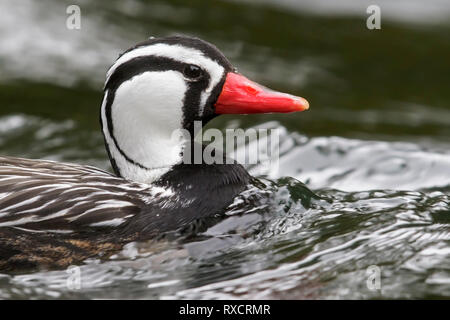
x: 364, y: 175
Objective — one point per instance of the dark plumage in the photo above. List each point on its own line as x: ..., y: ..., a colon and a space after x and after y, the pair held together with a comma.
x: 62, y: 225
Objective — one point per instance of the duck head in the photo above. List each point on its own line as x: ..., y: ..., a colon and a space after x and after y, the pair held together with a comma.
x: 165, y: 84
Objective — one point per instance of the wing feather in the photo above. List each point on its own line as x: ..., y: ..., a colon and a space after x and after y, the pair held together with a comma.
x: 43, y: 195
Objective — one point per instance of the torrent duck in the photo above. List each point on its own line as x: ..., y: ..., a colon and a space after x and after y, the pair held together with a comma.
x: 56, y: 214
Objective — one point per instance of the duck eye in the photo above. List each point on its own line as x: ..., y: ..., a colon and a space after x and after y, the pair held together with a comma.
x: 192, y: 72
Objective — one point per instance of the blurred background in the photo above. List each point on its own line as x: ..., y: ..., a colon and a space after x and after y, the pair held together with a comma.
x: 389, y: 84
x: 379, y: 121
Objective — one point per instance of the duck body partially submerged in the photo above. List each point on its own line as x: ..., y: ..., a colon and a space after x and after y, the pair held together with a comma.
x: 56, y: 214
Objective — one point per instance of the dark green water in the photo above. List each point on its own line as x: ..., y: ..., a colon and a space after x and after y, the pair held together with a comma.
x: 374, y: 146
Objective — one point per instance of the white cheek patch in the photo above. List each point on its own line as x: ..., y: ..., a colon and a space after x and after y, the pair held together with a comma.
x: 180, y: 54
x: 146, y: 110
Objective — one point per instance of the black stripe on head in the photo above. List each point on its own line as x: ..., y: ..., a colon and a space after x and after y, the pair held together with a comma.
x: 208, y: 49
x: 192, y: 102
